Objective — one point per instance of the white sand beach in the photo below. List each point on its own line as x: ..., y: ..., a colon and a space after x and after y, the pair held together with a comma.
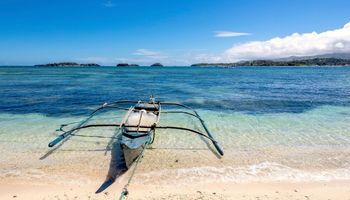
x: 262, y: 191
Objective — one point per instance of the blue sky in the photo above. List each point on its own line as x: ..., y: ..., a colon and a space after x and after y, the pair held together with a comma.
x: 174, y: 32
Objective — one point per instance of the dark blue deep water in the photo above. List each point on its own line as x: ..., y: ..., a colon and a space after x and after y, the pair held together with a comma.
x: 253, y: 90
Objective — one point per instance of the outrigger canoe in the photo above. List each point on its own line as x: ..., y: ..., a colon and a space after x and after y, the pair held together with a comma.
x: 138, y: 125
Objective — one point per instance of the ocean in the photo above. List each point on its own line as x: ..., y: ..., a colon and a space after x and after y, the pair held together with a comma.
x: 274, y: 123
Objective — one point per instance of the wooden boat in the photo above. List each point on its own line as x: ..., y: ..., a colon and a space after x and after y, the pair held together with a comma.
x: 138, y: 125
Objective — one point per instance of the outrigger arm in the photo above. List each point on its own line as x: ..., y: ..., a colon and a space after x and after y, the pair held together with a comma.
x: 195, y: 114
x: 151, y: 127
x: 215, y: 143
x: 65, y: 134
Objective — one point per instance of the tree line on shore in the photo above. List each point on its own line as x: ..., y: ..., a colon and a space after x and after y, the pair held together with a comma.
x: 302, y: 62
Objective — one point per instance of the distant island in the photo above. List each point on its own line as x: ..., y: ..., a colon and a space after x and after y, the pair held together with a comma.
x: 157, y: 65
x: 127, y: 65
x: 301, y: 62
x: 136, y: 65
x: 68, y: 64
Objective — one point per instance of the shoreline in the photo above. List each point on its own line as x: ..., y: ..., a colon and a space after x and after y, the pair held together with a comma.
x: 333, y: 190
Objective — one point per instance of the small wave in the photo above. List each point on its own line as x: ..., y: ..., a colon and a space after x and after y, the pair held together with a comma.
x: 262, y: 172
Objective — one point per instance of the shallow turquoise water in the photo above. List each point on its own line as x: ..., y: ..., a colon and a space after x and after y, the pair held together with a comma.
x: 279, y: 123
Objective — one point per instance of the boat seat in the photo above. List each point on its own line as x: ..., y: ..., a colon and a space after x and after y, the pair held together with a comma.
x: 147, y: 119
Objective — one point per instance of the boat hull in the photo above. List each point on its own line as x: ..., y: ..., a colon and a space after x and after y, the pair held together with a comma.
x: 130, y: 155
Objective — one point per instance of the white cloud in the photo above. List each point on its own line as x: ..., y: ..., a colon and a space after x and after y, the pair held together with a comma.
x: 296, y: 44
x: 109, y: 4
x: 229, y: 34
x: 150, y: 54
x: 347, y: 25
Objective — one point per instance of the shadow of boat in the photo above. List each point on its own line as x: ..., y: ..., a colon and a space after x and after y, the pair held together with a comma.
x: 117, y: 166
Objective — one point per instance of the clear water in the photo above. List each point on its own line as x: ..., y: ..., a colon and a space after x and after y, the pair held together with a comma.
x: 273, y: 123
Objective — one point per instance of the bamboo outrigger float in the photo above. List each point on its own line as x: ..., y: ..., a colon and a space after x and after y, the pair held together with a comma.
x: 138, y: 126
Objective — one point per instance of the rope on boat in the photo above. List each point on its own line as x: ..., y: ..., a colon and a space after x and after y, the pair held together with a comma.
x: 152, y: 127
x: 125, y: 191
